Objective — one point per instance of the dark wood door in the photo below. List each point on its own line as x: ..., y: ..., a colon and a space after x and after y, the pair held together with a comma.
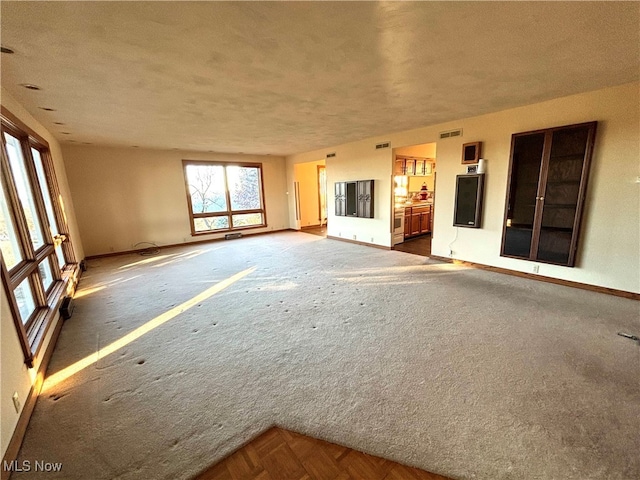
x: 548, y: 174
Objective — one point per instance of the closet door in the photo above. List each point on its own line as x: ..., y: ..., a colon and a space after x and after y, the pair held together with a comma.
x: 522, y: 194
x: 560, y: 202
x: 547, y: 185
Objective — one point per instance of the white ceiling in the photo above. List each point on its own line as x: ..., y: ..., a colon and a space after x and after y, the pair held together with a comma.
x: 288, y: 77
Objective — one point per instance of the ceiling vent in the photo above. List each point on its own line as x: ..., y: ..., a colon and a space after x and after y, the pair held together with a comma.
x: 331, y: 155
x: 451, y: 133
x: 383, y: 145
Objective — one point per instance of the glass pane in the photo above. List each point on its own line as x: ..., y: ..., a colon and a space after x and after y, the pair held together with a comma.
x: 44, y: 188
x: 352, y: 204
x: 566, y: 161
x: 8, y: 238
x: 211, y: 223
x: 46, y: 273
x: 25, y: 299
x: 247, y: 219
x: 525, y: 173
x: 207, y: 189
x: 60, y: 257
x: 244, y: 188
x: 21, y: 179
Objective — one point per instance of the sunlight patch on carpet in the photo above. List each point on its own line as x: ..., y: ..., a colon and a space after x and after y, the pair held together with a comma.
x: 93, y: 358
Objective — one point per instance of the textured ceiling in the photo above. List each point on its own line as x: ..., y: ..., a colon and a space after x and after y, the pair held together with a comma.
x: 287, y: 77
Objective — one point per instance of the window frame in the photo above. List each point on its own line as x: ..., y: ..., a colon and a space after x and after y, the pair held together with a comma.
x: 32, y: 330
x: 230, y: 211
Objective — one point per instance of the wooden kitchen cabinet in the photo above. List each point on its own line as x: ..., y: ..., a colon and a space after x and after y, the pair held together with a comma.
x: 399, y: 168
x: 417, y: 220
x: 413, y: 166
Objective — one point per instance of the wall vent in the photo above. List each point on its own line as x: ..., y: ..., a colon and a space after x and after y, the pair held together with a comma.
x: 383, y: 145
x: 331, y: 155
x: 231, y: 236
x: 451, y: 133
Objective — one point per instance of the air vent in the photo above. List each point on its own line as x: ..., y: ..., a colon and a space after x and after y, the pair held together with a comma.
x: 451, y: 133
x: 331, y: 155
x: 383, y: 145
x: 231, y: 236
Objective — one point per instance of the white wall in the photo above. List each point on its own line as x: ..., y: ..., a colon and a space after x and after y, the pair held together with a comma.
x: 609, y: 248
x: 125, y: 196
x: 15, y: 376
x: 306, y: 174
x: 356, y: 161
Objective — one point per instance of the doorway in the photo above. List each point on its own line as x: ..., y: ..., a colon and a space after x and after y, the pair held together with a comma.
x: 414, y: 187
x: 311, y: 197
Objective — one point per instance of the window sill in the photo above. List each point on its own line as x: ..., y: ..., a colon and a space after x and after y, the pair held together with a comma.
x: 228, y: 230
x: 45, y: 319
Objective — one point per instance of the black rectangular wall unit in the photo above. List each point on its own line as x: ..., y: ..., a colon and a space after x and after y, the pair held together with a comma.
x: 468, y: 205
x: 354, y: 198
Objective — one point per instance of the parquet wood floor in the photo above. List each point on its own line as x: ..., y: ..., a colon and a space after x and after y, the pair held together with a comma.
x: 279, y: 454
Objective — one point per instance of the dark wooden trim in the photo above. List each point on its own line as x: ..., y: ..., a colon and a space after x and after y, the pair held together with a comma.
x: 540, y: 193
x: 29, y: 404
x: 32, y: 332
x: 541, y: 278
x: 173, y: 245
x: 310, y: 227
x: 229, y: 212
x: 18, y: 124
x: 15, y: 314
x: 357, y: 242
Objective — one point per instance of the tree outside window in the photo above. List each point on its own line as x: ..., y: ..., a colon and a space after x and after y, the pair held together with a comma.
x: 224, y: 196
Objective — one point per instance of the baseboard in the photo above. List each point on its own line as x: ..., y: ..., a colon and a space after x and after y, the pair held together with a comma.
x: 193, y: 242
x: 310, y: 227
x: 541, y: 278
x: 382, y: 247
x: 29, y: 404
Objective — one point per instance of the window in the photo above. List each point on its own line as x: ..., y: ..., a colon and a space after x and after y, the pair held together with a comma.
x: 34, y: 240
x: 223, y: 197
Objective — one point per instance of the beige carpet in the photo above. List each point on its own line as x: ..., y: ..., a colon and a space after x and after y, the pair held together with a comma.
x: 458, y: 371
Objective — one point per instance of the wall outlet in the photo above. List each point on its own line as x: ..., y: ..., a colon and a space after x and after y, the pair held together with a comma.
x: 371, y: 239
x: 16, y: 402
x: 536, y: 269
x: 450, y: 253
x: 354, y: 237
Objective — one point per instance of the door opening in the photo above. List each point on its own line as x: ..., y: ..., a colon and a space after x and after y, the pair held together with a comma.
x: 414, y: 186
